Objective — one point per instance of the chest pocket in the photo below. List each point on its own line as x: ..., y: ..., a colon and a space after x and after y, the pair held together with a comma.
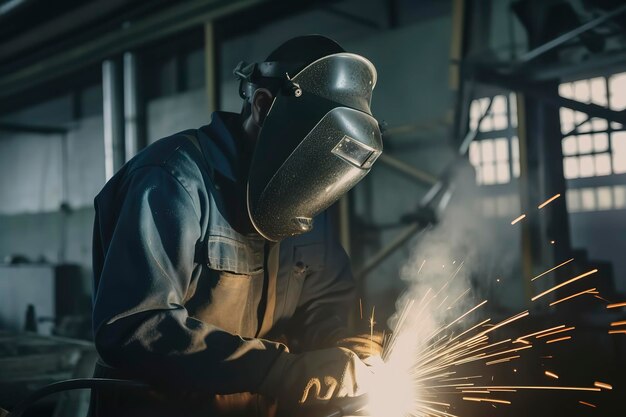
x: 236, y: 276
x: 239, y: 256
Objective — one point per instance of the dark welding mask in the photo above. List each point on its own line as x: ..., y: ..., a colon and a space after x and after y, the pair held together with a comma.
x: 318, y: 140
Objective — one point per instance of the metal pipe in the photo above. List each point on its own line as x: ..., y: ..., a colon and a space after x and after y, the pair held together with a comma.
x: 407, y: 169
x: 382, y: 254
x: 131, y: 106
x: 113, y: 131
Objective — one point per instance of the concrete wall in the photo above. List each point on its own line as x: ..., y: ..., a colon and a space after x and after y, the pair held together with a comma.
x: 41, y: 173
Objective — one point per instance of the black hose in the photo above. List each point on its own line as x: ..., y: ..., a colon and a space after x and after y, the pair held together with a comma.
x: 72, y: 384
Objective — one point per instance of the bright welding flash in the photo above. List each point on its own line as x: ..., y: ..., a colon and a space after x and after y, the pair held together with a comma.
x: 393, y: 392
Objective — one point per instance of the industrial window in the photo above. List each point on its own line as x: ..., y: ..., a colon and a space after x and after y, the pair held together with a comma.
x: 596, y: 198
x: 495, y: 151
x: 592, y: 148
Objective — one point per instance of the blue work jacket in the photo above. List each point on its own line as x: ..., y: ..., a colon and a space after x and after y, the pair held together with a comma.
x: 182, y: 297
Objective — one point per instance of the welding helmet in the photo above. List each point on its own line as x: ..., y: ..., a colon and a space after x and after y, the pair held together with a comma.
x: 318, y: 140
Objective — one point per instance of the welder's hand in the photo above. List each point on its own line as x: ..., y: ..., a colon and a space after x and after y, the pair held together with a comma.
x: 364, y: 345
x: 316, y: 377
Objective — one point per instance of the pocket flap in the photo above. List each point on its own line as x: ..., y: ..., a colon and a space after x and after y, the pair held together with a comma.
x: 240, y: 257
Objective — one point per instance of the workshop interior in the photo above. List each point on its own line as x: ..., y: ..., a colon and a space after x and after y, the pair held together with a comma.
x: 481, y: 199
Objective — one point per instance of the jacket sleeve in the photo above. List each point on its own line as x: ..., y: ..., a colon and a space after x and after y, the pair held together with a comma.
x: 141, y: 325
x: 327, y: 297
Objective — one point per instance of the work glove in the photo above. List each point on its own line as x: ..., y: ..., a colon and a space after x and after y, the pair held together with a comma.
x: 316, y: 377
x: 365, y: 346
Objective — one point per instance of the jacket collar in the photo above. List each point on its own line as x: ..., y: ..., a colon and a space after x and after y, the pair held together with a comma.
x: 219, y: 143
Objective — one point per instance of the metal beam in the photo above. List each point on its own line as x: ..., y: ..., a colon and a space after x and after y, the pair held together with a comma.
x: 513, y: 83
x: 184, y: 15
x: 560, y: 40
x: 44, y: 130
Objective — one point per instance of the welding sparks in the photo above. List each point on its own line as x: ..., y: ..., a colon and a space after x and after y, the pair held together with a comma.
x: 602, y: 385
x: 489, y: 400
x: 569, y: 297
x: 548, y: 201
x: 518, y: 219
x: 424, y: 359
x: 616, y: 305
x: 587, y: 404
x: 552, y: 269
x: 567, y: 329
x: 618, y: 323
x: 556, y: 287
x: 560, y: 339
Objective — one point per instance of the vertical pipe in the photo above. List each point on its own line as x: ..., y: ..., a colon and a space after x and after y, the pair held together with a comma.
x: 524, y: 192
x: 131, y: 104
x: 113, y: 130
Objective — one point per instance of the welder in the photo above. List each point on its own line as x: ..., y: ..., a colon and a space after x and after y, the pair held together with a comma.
x: 218, y: 276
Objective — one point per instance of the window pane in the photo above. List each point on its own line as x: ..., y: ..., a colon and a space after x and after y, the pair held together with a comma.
x: 487, y: 124
x: 579, y: 118
x: 598, y: 125
x: 619, y: 162
x: 487, y: 150
x: 586, y: 166
x: 618, y: 148
x: 499, y: 105
x: 516, y: 168
x: 567, y: 119
x: 598, y: 91
x: 603, y: 164
x: 582, y: 91
x: 617, y: 87
x: 489, y: 174
x: 573, y: 201
x: 600, y: 142
x: 474, y: 153
x: 618, y: 141
x: 584, y: 144
x: 570, y: 145
x: 587, y: 199
x: 500, y: 122
x: 565, y: 90
x: 570, y: 167
x: 504, y: 175
x: 605, y: 198
x: 502, y: 149
x: 514, y: 148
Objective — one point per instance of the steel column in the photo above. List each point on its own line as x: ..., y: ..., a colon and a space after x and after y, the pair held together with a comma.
x: 132, y: 142
x: 113, y: 117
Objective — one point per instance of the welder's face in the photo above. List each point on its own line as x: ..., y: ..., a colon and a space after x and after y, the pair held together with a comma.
x: 317, y: 141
